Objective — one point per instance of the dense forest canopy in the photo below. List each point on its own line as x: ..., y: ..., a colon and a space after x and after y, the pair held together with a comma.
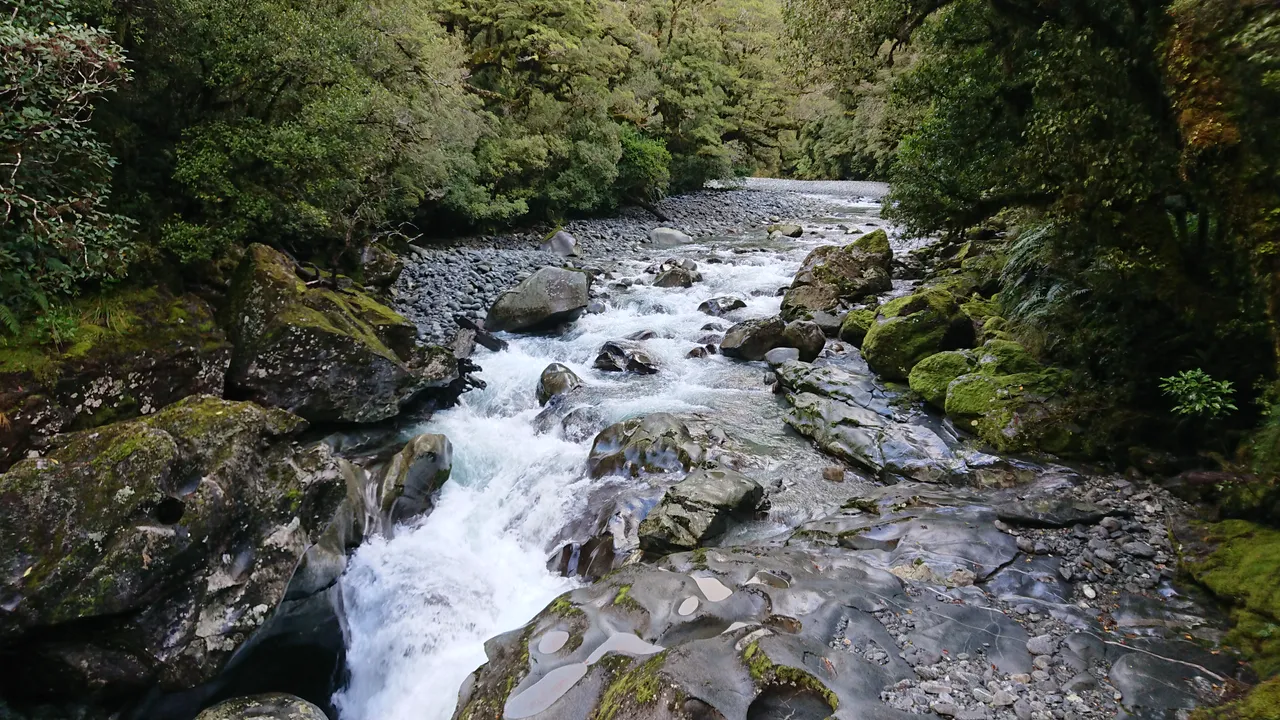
x: 1133, y: 146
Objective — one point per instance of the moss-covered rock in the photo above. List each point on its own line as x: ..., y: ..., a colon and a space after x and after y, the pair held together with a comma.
x: 1015, y: 412
x: 698, y: 509
x: 272, y: 706
x: 164, y: 542
x: 1241, y: 566
x: 133, y: 353
x: 931, y: 376
x: 1261, y: 703
x: 909, y: 329
x: 856, y: 324
x: 832, y: 275
x: 327, y: 355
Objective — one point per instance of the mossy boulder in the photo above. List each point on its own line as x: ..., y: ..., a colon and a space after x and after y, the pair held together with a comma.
x: 271, y: 706
x: 909, y: 329
x: 144, y: 553
x: 133, y: 352
x: 833, y: 275
x: 1261, y: 703
x: 856, y: 324
x: 1014, y: 412
x: 931, y: 376
x: 324, y: 354
x: 1239, y: 561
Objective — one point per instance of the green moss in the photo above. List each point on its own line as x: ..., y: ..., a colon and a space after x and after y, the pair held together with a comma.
x: 699, y: 557
x: 765, y: 672
x: 875, y: 242
x: 624, y: 600
x: 931, y: 376
x: 1262, y: 703
x: 861, y: 504
x: 564, y: 608
x: 1005, y: 357
x: 978, y: 309
x: 1242, y: 570
x: 639, y: 686
x: 855, y: 325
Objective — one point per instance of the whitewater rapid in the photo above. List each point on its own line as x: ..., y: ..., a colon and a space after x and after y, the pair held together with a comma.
x: 421, y: 604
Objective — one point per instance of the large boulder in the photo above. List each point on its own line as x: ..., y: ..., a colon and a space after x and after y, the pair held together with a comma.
x: 655, y: 443
x: 805, y: 336
x: 931, y: 377
x: 379, y: 267
x: 698, y: 509
x: 911, y: 328
x: 718, y: 306
x: 833, y: 275
x: 751, y: 339
x: 556, y: 379
x: 271, y: 706
x: 625, y: 356
x: 665, y: 237
x: 140, y: 351
x: 325, y: 354
x: 790, y: 230
x: 413, y: 475
x: 854, y: 326
x: 561, y: 243
x: 543, y: 300
x: 677, y: 277
x: 143, y: 555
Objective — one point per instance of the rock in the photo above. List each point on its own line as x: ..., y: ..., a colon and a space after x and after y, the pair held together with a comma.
x: 556, y: 379
x: 721, y: 305
x: 655, y: 443
x: 625, y: 356
x: 562, y: 244
x: 751, y: 339
x: 786, y: 229
x: 327, y: 355
x: 853, y: 329
x: 805, y: 336
x: 677, y: 277
x: 379, y: 267
x: 832, y: 275
x: 543, y: 300
x: 413, y: 475
x: 697, y: 353
x: 1013, y: 412
x: 1054, y: 512
x: 665, y: 237
x: 581, y: 423
x: 931, y: 377
x: 911, y: 328
x: 150, y: 351
x: 1042, y: 645
x: 272, y: 706
x: 1138, y: 549
x: 781, y: 356
x: 833, y: 474
x: 698, y: 509
x: 829, y: 322
x: 153, y: 550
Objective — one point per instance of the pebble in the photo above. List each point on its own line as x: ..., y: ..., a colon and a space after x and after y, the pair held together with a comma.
x: 1042, y: 645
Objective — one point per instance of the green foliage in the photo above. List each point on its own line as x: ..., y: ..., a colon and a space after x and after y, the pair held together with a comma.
x: 55, y: 231
x: 1195, y: 393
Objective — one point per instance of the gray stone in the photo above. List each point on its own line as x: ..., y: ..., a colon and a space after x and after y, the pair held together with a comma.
x: 1042, y: 645
x: 718, y: 306
x: 545, y: 299
x: 698, y: 509
x: 556, y: 379
x: 664, y: 237
x: 781, y: 355
x: 414, y: 475
x: 805, y: 336
x: 625, y: 356
x: 562, y: 244
x: 751, y: 339
x: 272, y: 706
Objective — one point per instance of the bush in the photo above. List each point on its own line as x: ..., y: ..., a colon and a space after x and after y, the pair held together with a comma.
x: 1197, y: 394
x: 55, y: 231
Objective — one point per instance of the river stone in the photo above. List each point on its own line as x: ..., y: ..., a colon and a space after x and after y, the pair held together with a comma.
x: 556, y: 379
x: 327, y: 355
x: 562, y: 244
x: 415, y: 474
x: 543, y: 300
x: 151, y: 550
x: 805, y: 336
x: 698, y: 509
x: 751, y: 339
x: 677, y: 277
x: 832, y: 275
x: 790, y: 230
x: 655, y: 443
x: 272, y: 706
x: 665, y: 237
x: 625, y: 356
x: 721, y: 305
x: 781, y: 356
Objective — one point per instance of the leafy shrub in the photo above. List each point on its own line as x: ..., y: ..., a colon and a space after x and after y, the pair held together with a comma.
x: 55, y: 231
x: 1196, y: 393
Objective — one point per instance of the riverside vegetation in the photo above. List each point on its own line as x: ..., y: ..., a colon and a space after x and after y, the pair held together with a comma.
x: 208, y: 206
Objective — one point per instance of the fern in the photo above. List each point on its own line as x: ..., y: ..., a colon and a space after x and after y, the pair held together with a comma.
x: 8, y: 320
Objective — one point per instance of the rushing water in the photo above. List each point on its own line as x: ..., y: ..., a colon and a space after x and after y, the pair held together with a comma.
x: 421, y: 604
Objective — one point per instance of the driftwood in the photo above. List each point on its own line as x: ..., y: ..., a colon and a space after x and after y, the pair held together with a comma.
x: 484, y: 337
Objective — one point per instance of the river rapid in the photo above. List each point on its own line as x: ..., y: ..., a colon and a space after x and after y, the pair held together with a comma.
x: 421, y: 603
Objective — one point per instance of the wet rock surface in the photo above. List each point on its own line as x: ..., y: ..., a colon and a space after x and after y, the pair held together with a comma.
x: 541, y: 301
